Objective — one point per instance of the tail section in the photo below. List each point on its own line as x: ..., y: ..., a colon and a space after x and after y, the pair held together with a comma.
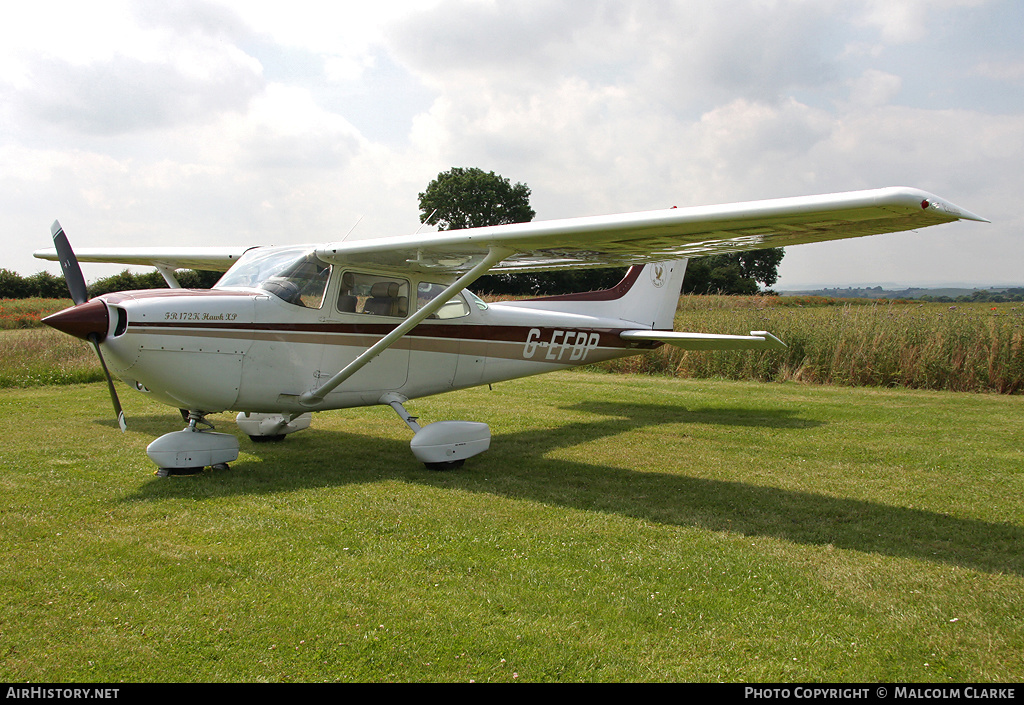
x: 648, y: 296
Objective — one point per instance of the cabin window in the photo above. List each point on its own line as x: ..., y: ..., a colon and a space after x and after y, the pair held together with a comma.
x: 455, y: 308
x: 480, y: 303
x: 374, y: 295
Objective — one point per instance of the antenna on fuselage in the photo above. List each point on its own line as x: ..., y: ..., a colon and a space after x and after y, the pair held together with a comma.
x: 425, y: 221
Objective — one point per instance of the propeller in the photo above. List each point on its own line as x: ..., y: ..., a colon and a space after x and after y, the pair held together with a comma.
x: 86, y: 319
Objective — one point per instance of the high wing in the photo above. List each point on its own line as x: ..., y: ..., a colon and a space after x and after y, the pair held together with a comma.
x: 637, y: 238
x: 600, y: 241
x: 214, y: 259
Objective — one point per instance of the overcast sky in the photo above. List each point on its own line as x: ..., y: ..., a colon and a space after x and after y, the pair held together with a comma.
x: 224, y: 123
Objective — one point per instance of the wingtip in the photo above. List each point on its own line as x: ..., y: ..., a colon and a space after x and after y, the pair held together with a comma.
x: 977, y: 218
x: 932, y: 202
x: 967, y: 215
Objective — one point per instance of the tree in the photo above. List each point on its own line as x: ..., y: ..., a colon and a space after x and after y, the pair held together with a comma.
x: 12, y: 286
x: 129, y: 281
x: 735, y: 273
x: 47, y: 286
x: 469, y: 198
x: 41, y: 284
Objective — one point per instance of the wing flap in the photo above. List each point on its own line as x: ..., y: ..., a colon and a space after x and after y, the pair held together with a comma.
x: 757, y: 340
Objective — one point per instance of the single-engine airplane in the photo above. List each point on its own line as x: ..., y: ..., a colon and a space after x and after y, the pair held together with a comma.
x: 292, y: 330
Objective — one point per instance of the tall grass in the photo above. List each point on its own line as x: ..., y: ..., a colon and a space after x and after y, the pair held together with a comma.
x: 37, y: 357
x: 28, y: 313
x: 968, y: 348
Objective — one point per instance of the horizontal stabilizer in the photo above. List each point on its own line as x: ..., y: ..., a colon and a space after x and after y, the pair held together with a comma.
x: 757, y: 340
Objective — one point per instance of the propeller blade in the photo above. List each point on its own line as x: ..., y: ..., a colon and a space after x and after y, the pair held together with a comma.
x: 94, y: 339
x: 85, y: 324
x: 69, y: 265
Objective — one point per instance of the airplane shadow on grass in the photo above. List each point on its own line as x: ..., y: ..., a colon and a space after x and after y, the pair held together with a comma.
x: 516, y: 467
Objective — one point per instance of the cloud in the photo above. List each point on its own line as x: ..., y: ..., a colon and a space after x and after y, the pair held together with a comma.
x: 212, y: 121
x: 287, y: 129
x: 125, y: 94
x: 1008, y: 71
x: 128, y: 71
x: 873, y: 88
x: 904, y: 21
x: 684, y: 53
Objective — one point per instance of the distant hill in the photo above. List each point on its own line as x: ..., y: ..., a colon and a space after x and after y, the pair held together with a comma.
x: 952, y: 294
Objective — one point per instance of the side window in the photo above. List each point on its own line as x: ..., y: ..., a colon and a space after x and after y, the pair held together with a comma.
x: 428, y: 291
x: 373, y: 295
x: 480, y: 303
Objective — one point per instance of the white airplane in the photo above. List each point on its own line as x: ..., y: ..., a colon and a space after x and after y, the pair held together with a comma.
x: 292, y: 330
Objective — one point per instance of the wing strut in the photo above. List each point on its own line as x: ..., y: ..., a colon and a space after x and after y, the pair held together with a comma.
x: 167, y: 272
x: 494, y: 256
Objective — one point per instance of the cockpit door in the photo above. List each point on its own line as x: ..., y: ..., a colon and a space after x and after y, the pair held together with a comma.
x: 363, y: 308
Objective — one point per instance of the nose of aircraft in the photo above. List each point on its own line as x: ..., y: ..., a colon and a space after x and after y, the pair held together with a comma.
x: 90, y: 318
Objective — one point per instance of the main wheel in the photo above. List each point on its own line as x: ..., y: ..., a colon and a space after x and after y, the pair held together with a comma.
x: 169, y: 472
x: 268, y: 439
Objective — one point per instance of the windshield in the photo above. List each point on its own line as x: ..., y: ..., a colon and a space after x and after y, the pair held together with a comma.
x: 293, y: 274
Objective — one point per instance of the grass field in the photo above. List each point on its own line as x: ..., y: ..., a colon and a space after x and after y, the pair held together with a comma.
x: 621, y: 528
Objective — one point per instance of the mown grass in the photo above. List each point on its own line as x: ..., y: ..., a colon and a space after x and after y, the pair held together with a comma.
x: 621, y: 528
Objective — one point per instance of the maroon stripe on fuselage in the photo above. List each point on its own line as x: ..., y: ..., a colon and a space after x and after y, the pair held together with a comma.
x: 119, y: 296
x: 514, y: 334
x: 616, y: 292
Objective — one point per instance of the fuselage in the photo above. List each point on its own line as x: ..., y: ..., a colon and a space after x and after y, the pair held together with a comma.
x: 252, y: 349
